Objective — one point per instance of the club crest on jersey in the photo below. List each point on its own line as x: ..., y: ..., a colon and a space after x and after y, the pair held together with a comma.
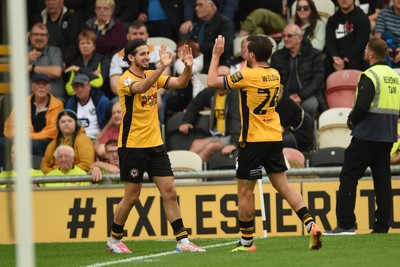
x: 237, y: 76
x: 134, y: 173
x: 127, y: 81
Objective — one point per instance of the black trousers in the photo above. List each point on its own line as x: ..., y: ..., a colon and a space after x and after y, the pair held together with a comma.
x: 360, y: 155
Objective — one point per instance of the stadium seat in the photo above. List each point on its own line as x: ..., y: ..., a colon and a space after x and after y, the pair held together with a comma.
x: 397, y: 70
x: 341, y: 88
x: 163, y: 40
x: 185, y: 160
x: 175, y: 140
x: 295, y: 157
x: 326, y: 8
x: 203, y: 78
x: 221, y: 162
x: 327, y: 157
x: 332, y: 128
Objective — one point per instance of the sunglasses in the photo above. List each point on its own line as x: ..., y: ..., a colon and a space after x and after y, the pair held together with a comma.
x: 305, y: 8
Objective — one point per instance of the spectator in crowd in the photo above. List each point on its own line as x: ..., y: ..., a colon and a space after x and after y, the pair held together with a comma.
x: 91, y: 106
x: 64, y: 156
x: 43, y: 108
x: 112, y: 132
x: 210, y: 23
x: 197, y: 64
x: 69, y: 133
x: 347, y: 33
x: 301, y: 70
x: 262, y: 21
x: 12, y: 173
x: 246, y: 7
x: 47, y: 59
x: 83, y: 9
x: 110, y: 31
x: 373, y: 122
x: 387, y: 28
x: 239, y: 62
x: 111, y: 165
x: 125, y: 10
x: 90, y: 63
x: 371, y: 8
x: 227, y: 8
x: 224, y: 122
x: 162, y: 18
x: 310, y: 23
x: 177, y: 100
x: 63, y: 26
x: 297, y: 126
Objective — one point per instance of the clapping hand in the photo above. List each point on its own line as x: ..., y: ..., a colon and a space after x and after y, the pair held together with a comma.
x: 218, y: 49
x: 187, y: 56
x: 165, y: 57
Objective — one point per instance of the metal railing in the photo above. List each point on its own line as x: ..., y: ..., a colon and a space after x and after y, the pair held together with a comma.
x: 220, y: 175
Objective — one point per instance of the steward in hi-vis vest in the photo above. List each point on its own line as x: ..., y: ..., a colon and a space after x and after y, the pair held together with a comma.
x: 373, y: 121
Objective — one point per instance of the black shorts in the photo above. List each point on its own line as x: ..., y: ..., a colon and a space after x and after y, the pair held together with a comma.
x: 253, y: 156
x: 133, y: 162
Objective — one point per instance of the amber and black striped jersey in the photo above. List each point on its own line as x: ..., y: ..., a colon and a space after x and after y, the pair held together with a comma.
x: 140, y: 127
x: 258, y: 95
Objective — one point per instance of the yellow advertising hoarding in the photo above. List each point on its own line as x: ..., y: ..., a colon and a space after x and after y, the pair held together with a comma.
x: 208, y: 211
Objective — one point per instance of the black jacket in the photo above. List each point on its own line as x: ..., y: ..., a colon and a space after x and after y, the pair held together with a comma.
x: 173, y: 8
x: 310, y: 70
x: 206, y: 98
x: 297, y: 122
x: 70, y: 26
x: 217, y: 25
x: 347, y: 35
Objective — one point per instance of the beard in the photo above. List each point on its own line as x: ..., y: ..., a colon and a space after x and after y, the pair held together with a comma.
x: 139, y: 66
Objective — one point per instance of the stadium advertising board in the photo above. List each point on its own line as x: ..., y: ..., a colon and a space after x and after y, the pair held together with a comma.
x: 209, y: 211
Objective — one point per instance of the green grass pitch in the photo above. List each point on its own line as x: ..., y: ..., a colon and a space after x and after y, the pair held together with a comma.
x: 359, y: 250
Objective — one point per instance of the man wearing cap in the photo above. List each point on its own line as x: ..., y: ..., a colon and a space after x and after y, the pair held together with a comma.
x: 43, y: 108
x: 92, y: 106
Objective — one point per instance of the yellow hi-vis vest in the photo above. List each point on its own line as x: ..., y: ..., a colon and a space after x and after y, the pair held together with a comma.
x: 380, y: 123
x: 387, y: 89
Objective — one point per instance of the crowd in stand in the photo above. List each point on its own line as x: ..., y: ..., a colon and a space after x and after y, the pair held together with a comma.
x: 75, y: 58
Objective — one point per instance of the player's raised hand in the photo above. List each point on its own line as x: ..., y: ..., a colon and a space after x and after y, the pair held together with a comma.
x: 165, y: 57
x: 187, y: 56
x: 218, y: 49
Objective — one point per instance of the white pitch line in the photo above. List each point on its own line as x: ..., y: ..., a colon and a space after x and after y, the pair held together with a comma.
x: 145, y: 257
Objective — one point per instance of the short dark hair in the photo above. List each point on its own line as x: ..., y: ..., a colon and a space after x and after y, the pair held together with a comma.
x: 130, y: 48
x: 111, y: 142
x: 261, y: 46
x: 136, y: 24
x: 379, y: 47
